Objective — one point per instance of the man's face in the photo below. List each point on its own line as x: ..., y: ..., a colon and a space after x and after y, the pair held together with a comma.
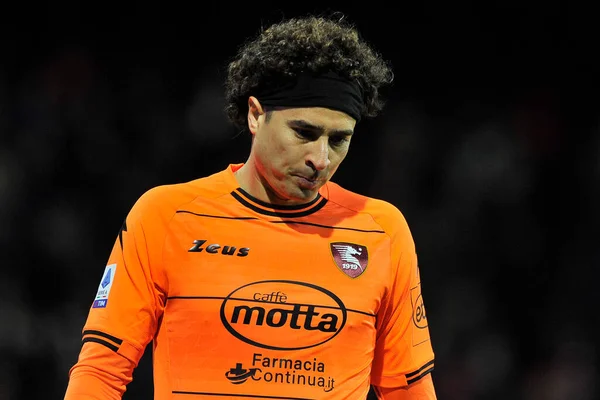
x: 297, y: 150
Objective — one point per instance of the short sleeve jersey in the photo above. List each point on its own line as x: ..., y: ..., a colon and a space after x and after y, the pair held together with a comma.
x: 244, y: 299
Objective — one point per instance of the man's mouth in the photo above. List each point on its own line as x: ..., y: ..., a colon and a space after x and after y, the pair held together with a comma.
x: 307, y: 182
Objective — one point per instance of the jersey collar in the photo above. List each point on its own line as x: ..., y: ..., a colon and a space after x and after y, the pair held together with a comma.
x: 274, y: 210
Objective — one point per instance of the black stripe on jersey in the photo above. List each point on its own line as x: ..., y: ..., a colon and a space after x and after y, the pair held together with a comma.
x: 259, y: 210
x: 423, y: 374
x: 301, y: 214
x: 123, y: 229
x: 100, y: 341
x: 212, y: 216
x: 368, y: 314
x: 414, y: 376
x: 329, y: 227
x: 104, y: 335
x: 279, y: 206
x: 237, y: 395
x: 284, y: 222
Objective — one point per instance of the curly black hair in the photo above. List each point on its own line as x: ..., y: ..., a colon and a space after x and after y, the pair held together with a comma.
x: 306, y: 44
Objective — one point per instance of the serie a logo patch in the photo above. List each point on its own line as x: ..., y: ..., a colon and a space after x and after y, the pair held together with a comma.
x: 104, y: 288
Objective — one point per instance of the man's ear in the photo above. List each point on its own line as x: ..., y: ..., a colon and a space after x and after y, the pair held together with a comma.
x: 255, y: 111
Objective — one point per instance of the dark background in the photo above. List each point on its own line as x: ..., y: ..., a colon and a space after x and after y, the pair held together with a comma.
x: 489, y: 144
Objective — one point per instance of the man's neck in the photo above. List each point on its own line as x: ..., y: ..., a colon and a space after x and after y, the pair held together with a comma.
x: 251, y: 181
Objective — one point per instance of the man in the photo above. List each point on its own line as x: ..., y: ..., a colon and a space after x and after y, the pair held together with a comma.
x: 267, y: 280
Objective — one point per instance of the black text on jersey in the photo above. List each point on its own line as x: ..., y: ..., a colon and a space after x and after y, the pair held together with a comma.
x: 216, y: 248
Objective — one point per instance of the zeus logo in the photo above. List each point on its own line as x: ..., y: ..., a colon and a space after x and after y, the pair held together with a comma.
x: 218, y: 249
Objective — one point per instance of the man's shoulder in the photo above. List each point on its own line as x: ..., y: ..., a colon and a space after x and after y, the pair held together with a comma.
x: 360, y: 202
x: 388, y: 216
x: 169, y: 197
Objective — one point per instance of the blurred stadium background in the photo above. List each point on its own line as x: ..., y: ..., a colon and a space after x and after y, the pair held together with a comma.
x: 489, y: 144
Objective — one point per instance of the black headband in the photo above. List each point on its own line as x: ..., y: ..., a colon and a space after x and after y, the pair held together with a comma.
x: 327, y: 90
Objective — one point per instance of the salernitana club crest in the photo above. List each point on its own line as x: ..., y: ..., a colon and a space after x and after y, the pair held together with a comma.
x: 351, y: 258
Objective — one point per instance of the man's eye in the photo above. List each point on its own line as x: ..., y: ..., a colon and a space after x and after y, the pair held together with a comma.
x: 337, y: 140
x: 304, y: 133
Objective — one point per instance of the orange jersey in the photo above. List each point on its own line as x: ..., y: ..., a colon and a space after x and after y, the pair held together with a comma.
x: 244, y: 299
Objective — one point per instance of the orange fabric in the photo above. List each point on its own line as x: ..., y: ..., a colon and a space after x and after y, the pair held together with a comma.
x: 100, y: 374
x: 422, y: 389
x: 240, y: 297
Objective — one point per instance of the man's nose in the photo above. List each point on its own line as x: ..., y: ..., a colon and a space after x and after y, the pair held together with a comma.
x: 318, y: 156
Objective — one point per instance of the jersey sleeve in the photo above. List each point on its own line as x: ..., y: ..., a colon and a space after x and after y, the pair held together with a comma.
x: 403, y: 351
x: 420, y: 390
x: 124, y: 314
